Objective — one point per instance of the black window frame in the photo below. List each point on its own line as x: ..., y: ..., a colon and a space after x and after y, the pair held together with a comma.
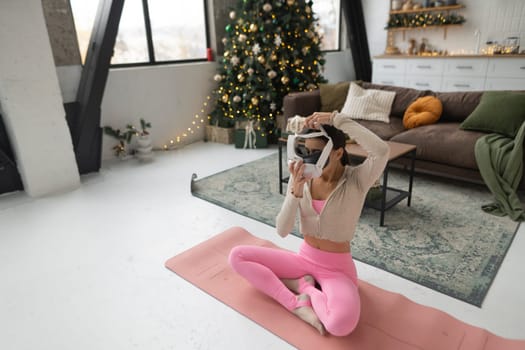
x: 151, y: 49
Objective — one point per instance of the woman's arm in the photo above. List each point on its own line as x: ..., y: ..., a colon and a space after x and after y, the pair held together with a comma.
x: 285, y: 220
x: 370, y: 170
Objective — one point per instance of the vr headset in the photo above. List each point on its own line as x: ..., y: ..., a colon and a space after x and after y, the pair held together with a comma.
x: 314, y: 161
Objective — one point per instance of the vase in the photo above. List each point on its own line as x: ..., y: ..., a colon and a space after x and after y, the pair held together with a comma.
x: 144, y: 148
x: 397, y: 4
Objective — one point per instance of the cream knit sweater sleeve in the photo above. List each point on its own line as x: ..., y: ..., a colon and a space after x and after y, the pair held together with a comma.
x: 285, y: 220
x: 378, y: 151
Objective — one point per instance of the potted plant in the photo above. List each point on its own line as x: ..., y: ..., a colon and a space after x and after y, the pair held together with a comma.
x: 123, y: 138
x: 144, y: 148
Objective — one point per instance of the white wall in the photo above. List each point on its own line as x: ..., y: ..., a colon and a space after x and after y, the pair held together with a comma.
x: 171, y: 96
x: 32, y: 103
x: 167, y: 96
x: 494, y: 19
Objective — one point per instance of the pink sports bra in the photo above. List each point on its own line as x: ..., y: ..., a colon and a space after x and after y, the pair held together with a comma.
x: 318, y: 205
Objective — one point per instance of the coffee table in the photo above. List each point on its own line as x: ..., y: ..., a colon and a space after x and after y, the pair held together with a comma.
x: 390, y: 196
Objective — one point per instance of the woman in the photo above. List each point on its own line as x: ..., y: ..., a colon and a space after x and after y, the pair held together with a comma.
x: 329, y: 207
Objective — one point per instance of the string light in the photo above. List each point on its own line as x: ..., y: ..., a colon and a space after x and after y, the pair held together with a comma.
x: 197, y: 122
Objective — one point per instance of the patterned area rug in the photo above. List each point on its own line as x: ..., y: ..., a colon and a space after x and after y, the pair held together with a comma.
x: 443, y: 241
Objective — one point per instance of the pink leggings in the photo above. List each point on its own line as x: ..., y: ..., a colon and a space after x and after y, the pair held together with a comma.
x: 337, y: 304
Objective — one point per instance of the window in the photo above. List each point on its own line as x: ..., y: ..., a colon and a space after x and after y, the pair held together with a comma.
x: 329, y: 14
x: 150, y: 31
x: 84, y: 13
x: 131, y: 45
x: 178, y: 29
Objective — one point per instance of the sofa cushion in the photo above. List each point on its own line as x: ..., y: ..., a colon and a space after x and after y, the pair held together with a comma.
x: 333, y: 96
x: 384, y: 130
x: 443, y: 143
x: 404, y: 96
x: 457, y: 106
x: 301, y: 103
x: 501, y: 112
x: 423, y: 111
x: 368, y: 104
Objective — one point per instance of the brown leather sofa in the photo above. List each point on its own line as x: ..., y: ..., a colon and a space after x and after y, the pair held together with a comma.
x: 443, y: 149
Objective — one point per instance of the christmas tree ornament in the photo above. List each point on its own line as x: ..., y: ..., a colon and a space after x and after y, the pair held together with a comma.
x: 217, y: 77
x: 232, y: 14
x: 278, y: 41
x: 273, y: 57
x: 250, y: 71
x: 290, y: 2
x: 267, y: 7
x: 261, y: 59
x: 285, y: 80
x: 225, y: 98
x: 228, y: 28
x: 298, y: 62
x: 255, y: 101
x: 272, y: 74
x: 242, y: 38
x: 308, y: 9
x: 224, y: 41
x: 256, y: 48
x: 253, y: 27
x: 240, y: 77
x: 237, y: 98
x: 235, y: 60
x: 295, y: 81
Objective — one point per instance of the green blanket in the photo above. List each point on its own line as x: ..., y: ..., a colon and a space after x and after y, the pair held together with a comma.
x: 500, y: 162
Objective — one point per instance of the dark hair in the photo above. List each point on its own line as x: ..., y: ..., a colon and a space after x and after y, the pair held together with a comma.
x: 338, y: 139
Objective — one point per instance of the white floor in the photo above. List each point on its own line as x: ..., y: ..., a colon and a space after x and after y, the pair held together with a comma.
x: 85, y: 269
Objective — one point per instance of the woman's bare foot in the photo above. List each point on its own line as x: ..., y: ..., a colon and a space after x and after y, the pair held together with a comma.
x: 307, y: 313
x: 294, y: 284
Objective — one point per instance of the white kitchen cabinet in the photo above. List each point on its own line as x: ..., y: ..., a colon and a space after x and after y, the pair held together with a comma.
x: 453, y: 73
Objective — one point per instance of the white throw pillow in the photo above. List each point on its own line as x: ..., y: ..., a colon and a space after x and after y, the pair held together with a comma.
x: 368, y: 104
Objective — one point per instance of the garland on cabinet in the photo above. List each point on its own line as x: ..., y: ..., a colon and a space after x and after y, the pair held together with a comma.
x: 421, y: 20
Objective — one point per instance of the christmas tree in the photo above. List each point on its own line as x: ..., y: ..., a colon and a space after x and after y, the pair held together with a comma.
x: 271, y: 48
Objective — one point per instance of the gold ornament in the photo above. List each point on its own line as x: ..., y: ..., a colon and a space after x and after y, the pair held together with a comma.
x: 255, y: 101
x: 285, y: 80
x: 225, y: 98
x: 226, y: 53
x: 298, y: 62
x: 240, y: 77
x: 253, y: 27
x: 273, y: 57
x: 261, y: 59
x: 290, y: 2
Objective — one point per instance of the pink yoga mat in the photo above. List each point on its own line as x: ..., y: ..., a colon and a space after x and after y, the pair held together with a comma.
x: 389, y: 321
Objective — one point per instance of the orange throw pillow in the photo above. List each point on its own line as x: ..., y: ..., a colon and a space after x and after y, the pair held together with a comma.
x: 423, y: 111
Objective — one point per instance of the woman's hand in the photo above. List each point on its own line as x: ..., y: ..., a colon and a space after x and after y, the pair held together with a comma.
x: 313, y: 121
x: 296, y: 169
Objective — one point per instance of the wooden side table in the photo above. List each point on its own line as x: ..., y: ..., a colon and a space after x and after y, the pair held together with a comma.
x: 390, y: 196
